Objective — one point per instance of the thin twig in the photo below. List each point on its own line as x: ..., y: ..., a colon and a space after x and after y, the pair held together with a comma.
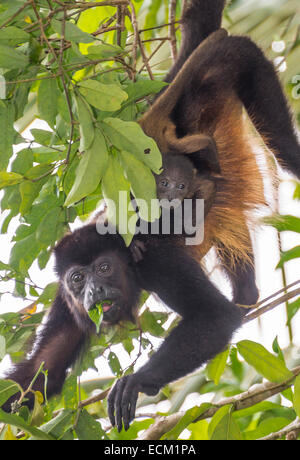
x: 93, y: 399
x: 260, y: 311
x: 87, y: 5
x: 67, y: 94
x: 120, y: 23
x: 159, y: 27
x: 172, y: 29
x: 138, y: 43
x: 151, y: 56
x: 275, y: 294
x: 136, y: 38
x: 29, y: 80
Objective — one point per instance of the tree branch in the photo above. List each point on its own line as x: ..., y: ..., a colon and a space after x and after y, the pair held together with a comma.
x: 161, y: 426
x: 241, y: 401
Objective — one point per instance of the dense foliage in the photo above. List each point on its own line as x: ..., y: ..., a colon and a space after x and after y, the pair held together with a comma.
x: 85, y: 71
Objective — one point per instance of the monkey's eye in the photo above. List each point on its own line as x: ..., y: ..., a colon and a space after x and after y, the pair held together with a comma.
x: 181, y: 186
x: 104, y: 268
x: 164, y: 183
x: 77, y: 277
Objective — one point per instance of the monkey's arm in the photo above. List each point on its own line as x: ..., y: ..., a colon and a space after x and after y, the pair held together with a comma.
x: 208, y: 321
x: 57, y: 345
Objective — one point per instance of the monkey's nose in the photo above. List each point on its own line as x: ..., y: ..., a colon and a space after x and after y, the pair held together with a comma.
x: 95, y: 292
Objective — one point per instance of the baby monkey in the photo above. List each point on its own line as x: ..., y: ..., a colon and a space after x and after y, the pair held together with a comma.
x: 179, y: 180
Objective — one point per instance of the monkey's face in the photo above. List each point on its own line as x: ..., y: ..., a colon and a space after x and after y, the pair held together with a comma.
x: 102, y: 282
x: 172, y: 185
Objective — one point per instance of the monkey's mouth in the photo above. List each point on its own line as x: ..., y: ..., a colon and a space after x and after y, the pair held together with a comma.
x: 106, y: 305
x: 111, y: 311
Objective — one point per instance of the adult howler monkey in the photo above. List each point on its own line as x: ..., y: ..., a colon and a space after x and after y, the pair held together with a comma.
x: 203, y: 102
x: 214, y: 77
x: 91, y: 270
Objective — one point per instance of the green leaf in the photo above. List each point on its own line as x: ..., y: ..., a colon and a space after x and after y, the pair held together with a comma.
x: 9, y: 178
x: 103, y: 51
x: 129, y: 136
x: 104, y: 97
x: 223, y: 426
x: 7, y: 117
x: 293, y: 308
x: 149, y: 323
x: 48, y: 294
x: 289, y: 255
x: 42, y: 137
x: 47, y: 100
x: 96, y: 315
x: 7, y: 389
x: 24, y: 253
x: 276, y: 348
x: 13, y: 35
x: 118, y: 204
x: 86, y: 126
x: 11, y: 58
x: 296, y: 195
x: 190, y: 416
x: 88, y: 429
x: 143, y: 185
x: 90, y: 170
x: 69, y: 392
x: 17, y: 421
x: 284, y: 223
x: 23, y: 161
x: 47, y: 230
x: 114, y: 364
x: 266, y: 427
x: 216, y: 366
x: 296, y: 401
x: 72, y: 32
x: 58, y: 425
x: 30, y: 190
x: 143, y: 88
x: 266, y: 364
x: 37, y: 415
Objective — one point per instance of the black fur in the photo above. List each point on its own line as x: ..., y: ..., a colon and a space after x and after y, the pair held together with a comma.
x: 67, y: 330
x: 207, y: 16
x: 237, y: 65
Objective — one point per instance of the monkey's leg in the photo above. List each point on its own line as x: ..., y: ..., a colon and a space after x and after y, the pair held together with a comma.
x: 208, y: 322
x: 201, y: 18
x: 262, y: 95
x: 57, y: 346
x: 242, y: 278
x: 236, y: 64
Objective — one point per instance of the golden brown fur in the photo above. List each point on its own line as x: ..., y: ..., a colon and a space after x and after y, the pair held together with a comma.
x: 240, y: 193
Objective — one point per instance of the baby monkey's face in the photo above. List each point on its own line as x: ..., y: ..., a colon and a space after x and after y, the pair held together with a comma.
x: 176, y: 180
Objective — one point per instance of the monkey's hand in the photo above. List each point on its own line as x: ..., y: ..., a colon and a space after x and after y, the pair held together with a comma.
x: 123, y: 397
x: 137, y: 249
